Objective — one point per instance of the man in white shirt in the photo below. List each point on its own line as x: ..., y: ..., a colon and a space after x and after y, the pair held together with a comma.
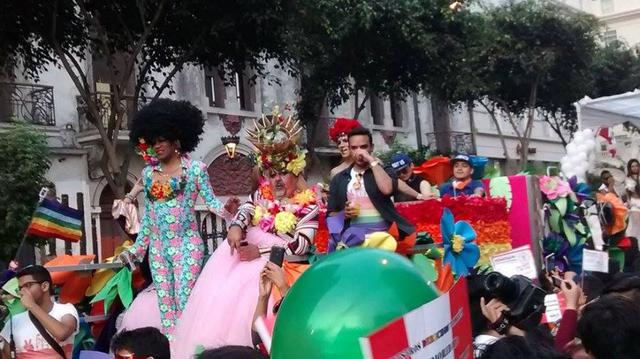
x: 60, y: 321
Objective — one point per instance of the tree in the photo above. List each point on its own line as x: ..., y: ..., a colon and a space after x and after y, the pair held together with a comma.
x: 25, y: 153
x: 535, y: 59
x: 143, y: 44
x: 615, y: 70
x: 365, y: 48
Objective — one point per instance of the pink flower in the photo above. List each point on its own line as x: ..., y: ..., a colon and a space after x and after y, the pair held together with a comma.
x: 174, y: 227
x: 266, y: 223
x: 554, y: 187
x: 166, y: 300
x: 175, y: 211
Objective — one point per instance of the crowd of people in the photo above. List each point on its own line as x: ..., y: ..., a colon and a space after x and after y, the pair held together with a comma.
x: 207, y: 307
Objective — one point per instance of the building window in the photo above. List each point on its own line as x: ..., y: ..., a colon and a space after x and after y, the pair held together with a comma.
x: 377, y: 110
x: 245, y: 90
x: 214, y: 87
x: 397, y: 113
x: 607, y: 6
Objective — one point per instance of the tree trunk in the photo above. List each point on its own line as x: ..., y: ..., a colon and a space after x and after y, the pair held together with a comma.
x: 441, y: 125
x: 362, y: 105
x: 472, y: 126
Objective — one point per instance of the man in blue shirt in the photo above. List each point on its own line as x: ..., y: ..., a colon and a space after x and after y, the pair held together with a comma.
x: 462, y: 183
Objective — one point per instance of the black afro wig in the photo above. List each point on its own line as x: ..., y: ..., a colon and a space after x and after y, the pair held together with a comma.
x: 168, y: 119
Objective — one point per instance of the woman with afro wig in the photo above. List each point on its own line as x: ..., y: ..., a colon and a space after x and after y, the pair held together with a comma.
x: 164, y: 132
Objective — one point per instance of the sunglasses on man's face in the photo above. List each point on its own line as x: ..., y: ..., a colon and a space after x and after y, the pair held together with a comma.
x: 28, y: 285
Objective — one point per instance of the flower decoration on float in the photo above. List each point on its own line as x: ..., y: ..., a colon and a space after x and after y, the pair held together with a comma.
x: 458, y: 238
x: 147, y: 152
x: 275, y: 138
x: 341, y: 127
x: 564, y: 216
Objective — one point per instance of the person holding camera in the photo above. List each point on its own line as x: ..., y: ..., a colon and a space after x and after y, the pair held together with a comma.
x: 507, y: 306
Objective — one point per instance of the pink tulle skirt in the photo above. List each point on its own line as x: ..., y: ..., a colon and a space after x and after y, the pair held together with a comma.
x: 221, y: 306
x: 143, y: 312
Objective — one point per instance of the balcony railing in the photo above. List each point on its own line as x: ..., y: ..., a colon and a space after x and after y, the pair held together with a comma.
x: 451, y: 142
x: 104, y: 100
x: 27, y: 102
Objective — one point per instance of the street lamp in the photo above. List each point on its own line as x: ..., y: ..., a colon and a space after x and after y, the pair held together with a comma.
x: 230, y: 143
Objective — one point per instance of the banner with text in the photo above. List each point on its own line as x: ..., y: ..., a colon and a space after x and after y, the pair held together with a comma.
x: 438, y: 329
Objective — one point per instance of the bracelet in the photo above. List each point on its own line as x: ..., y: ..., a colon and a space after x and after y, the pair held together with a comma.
x: 501, y: 325
x: 130, y: 197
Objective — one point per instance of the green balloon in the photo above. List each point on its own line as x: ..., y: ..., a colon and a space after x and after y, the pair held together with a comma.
x: 346, y: 296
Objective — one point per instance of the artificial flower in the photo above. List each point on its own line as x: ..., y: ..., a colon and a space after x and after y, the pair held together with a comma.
x: 341, y: 238
x: 147, y: 152
x: 566, y: 257
x: 297, y: 165
x: 266, y: 223
x: 459, y: 249
x: 381, y: 240
x: 581, y: 189
x: 257, y: 215
x: 265, y: 189
x: 554, y: 187
x: 285, y: 222
x: 305, y: 198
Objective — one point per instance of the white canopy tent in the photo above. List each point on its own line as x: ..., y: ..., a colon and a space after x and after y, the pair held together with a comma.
x: 609, y: 111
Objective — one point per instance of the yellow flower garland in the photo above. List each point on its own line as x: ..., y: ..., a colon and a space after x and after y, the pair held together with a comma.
x: 285, y: 222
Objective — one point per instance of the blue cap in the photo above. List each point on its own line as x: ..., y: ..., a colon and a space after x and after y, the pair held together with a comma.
x: 461, y: 157
x: 400, y: 161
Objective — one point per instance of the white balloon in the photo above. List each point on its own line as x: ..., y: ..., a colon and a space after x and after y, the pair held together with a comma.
x: 571, y: 147
x: 590, y: 143
x: 582, y: 157
x: 588, y: 132
x: 582, y: 148
x: 578, y: 138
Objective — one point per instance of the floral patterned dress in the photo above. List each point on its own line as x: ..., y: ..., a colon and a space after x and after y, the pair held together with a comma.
x: 169, y: 230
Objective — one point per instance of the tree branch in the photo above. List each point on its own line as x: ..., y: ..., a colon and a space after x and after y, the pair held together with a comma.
x: 503, y: 142
x: 360, y: 108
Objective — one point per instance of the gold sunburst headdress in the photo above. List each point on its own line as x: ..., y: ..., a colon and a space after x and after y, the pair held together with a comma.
x: 275, y: 138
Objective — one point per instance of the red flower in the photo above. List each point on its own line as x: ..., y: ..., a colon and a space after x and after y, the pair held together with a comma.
x: 143, y: 147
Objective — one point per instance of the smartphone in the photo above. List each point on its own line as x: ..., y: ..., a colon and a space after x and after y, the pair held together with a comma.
x: 550, y: 263
x: 244, y: 244
x: 556, y: 281
x: 277, y: 255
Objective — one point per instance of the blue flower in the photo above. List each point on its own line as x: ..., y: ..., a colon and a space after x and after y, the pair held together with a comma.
x: 459, y: 250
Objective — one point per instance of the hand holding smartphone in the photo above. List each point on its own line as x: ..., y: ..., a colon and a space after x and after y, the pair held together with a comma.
x: 277, y: 255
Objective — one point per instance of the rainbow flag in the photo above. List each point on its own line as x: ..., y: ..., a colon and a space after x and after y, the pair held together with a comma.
x: 53, y: 220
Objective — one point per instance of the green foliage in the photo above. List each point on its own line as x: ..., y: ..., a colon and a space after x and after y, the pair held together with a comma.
x: 22, y: 175
x: 418, y: 155
x: 615, y: 69
x: 536, y: 46
x: 376, y: 47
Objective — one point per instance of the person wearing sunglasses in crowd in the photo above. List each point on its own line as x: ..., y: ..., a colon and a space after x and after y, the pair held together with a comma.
x: 142, y: 343
x: 46, y: 330
x: 403, y: 166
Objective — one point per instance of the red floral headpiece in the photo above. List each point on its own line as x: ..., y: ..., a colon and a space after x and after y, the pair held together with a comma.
x: 342, y: 126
